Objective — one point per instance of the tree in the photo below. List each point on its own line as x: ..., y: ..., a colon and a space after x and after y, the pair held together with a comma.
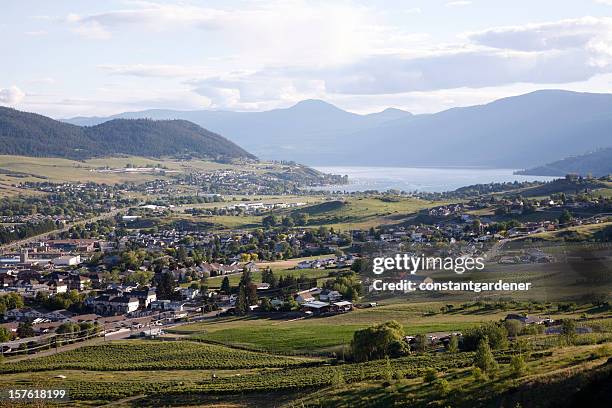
x: 300, y: 218
x: 513, y: 327
x: 565, y: 217
x: 267, y: 276
x: 165, y: 286
x: 25, y: 329
x: 225, y: 286
x: 242, y: 304
x: 269, y: 221
x: 377, y: 341
x: 359, y: 265
x: 496, y: 335
x: 453, y: 344
x: 568, y: 330
x: 5, y: 334
x: 484, y: 357
x: 420, y: 343
x: 140, y: 278
x: 266, y: 305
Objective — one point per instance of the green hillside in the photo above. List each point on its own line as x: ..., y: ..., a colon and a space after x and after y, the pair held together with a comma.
x: 29, y: 134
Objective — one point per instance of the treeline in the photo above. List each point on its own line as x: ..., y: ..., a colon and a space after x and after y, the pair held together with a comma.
x: 9, y: 234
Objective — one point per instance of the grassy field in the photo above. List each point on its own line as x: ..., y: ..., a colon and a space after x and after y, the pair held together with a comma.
x: 314, y: 335
x: 363, y: 213
x: 215, y: 282
x: 346, y: 214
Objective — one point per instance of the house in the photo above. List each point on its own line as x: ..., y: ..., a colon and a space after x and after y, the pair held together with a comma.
x: 24, y: 313
x: 168, y: 305
x: 79, y: 282
x: 305, y: 296
x: 56, y: 287
x: 304, y: 265
x: 59, y: 315
x: 70, y: 245
x: 316, y: 307
x: 342, y: 306
x: 189, y: 293
x: 528, y: 319
x: 327, y: 295
x: 114, y: 305
x: 145, y: 296
x: 67, y: 260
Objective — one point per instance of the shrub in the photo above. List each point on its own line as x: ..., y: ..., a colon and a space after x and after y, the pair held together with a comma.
x: 477, y: 374
x: 518, y: 366
x: 442, y: 387
x: 430, y: 375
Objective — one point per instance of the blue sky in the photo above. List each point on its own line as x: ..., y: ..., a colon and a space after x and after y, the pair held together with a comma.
x: 66, y: 58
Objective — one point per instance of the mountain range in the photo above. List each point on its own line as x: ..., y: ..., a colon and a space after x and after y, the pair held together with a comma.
x: 29, y: 134
x: 515, y: 132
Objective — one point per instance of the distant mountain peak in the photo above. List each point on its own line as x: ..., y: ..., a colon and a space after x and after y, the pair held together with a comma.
x: 311, y: 104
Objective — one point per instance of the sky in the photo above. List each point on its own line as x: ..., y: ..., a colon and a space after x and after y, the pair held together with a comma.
x: 66, y: 58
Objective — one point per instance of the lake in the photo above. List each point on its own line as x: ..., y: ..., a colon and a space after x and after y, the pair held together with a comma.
x: 420, y: 178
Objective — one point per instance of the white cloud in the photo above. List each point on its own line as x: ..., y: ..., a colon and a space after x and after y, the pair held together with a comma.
x: 157, y: 70
x: 262, y: 33
x: 11, y: 95
x: 42, y: 81
x: 36, y: 33
x: 458, y: 3
x: 91, y: 29
x: 564, y: 34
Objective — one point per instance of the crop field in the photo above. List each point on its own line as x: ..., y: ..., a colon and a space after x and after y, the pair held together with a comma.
x: 327, y: 385
x: 89, y: 387
x: 142, y: 355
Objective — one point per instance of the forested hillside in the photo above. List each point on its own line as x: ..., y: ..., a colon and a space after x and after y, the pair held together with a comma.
x: 29, y: 134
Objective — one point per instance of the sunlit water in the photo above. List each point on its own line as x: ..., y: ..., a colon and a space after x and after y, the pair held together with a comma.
x: 420, y: 178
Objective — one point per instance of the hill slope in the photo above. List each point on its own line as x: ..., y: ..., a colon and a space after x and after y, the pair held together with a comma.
x: 597, y: 163
x: 29, y: 134
x: 516, y: 132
